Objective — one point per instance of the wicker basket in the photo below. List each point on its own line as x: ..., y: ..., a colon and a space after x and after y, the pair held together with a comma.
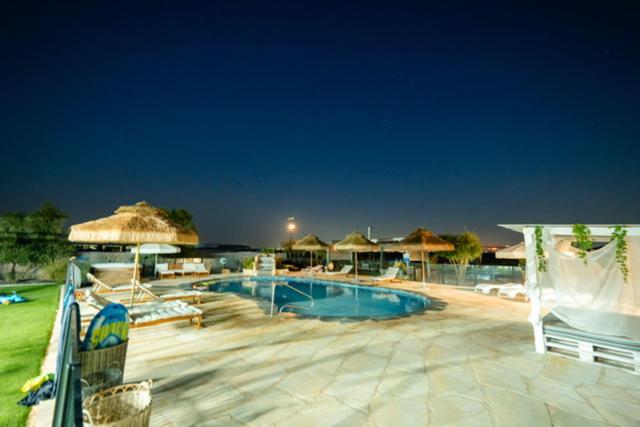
x: 103, y: 368
x: 127, y: 405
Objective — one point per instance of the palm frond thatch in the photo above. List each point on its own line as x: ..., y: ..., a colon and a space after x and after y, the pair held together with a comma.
x: 356, y: 242
x: 140, y: 223
x: 310, y: 242
x: 420, y: 240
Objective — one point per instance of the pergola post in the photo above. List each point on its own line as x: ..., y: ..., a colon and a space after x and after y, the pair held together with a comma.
x: 535, y: 317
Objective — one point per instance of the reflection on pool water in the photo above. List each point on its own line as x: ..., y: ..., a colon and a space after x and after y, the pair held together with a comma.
x: 308, y: 297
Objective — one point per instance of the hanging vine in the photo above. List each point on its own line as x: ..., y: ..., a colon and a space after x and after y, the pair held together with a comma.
x: 619, y: 235
x: 583, y: 240
x: 542, y: 262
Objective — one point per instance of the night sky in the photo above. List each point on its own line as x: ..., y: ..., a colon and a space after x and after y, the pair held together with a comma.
x: 343, y: 115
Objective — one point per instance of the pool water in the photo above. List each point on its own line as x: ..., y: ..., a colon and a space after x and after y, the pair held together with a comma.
x: 306, y: 297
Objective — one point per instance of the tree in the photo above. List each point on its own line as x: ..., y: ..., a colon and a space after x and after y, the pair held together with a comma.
x: 287, y: 247
x: 33, y: 240
x: 467, y: 248
x: 181, y: 217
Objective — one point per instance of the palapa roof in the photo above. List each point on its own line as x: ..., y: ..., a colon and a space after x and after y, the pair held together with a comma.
x: 356, y: 242
x: 420, y: 240
x: 310, y: 242
x: 140, y: 223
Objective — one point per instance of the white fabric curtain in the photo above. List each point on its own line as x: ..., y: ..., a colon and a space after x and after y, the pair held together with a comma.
x: 593, y: 297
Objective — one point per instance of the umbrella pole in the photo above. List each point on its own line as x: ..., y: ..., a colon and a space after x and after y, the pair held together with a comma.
x: 135, y: 272
x: 310, y: 258
x: 356, y: 266
x: 424, y: 282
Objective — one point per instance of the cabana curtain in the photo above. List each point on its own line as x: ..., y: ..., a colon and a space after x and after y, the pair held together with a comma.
x: 593, y: 297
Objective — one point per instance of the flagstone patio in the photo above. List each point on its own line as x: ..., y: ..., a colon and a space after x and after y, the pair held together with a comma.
x: 471, y: 363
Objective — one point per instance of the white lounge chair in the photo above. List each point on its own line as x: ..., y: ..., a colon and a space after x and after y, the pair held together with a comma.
x: 201, y: 270
x: 388, y: 276
x: 512, y: 292
x: 487, y: 288
x: 344, y: 271
x: 162, y: 271
x: 151, y: 313
x: 315, y: 269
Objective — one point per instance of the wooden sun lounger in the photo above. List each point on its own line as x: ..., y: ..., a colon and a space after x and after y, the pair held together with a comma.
x: 102, y: 288
x: 148, y: 314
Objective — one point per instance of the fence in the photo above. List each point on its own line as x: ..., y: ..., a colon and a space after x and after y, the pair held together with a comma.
x: 476, y: 274
x: 68, y: 391
x: 446, y: 273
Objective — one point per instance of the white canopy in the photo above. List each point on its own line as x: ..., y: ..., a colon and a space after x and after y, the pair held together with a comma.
x: 590, y: 294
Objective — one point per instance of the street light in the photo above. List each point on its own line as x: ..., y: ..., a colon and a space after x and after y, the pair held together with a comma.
x: 291, y: 226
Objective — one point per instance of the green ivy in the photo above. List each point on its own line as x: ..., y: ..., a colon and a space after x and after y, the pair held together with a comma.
x: 619, y: 235
x: 583, y: 240
x: 542, y: 262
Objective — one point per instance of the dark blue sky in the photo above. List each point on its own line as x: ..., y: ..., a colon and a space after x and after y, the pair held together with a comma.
x: 345, y: 114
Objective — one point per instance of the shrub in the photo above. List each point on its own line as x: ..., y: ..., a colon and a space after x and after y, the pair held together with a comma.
x: 56, y: 270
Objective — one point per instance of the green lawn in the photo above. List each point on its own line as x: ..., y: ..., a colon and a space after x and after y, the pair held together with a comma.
x: 25, y: 330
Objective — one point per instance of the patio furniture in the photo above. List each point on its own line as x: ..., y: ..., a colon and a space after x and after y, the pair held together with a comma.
x: 152, y: 313
x: 163, y: 271
x: 115, y: 273
x: 311, y: 270
x: 388, y: 276
x: 512, y: 292
x: 344, y: 271
x: 562, y: 339
x: 488, y: 288
x: 192, y: 268
x: 100, y: 287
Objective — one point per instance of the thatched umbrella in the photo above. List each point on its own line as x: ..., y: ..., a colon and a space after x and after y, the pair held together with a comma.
x: 421, y: 240
x: 310, y: 243
x: 137, y: 224
x: 356, y: 242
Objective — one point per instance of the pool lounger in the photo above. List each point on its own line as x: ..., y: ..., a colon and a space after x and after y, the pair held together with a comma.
x: 512, y: 292
x: 102, y: 288
x: 152, y: 313
x: 487, y: 288
x: 388, y: 276
x: 344, y: 271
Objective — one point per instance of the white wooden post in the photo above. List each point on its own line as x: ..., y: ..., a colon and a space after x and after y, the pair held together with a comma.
x: 533, y: 289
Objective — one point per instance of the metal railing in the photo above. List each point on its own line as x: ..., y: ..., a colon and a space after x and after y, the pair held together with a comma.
x: 68, y: 390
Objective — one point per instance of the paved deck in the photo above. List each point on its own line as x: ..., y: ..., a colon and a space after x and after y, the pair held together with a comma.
x: 471, y: 363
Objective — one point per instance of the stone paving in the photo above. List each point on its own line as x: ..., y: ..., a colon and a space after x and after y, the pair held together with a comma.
x: 470, y: 363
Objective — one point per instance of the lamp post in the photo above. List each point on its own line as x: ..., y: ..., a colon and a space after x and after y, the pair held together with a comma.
x: 291, y: 226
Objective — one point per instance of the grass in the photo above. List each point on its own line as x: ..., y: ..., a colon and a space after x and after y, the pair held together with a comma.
x: 25, y: 330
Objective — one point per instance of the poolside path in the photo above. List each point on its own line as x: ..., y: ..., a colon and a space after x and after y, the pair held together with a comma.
x: 471, y: 363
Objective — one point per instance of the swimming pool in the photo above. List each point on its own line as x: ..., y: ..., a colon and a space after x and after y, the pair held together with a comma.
x: 307, y: 297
